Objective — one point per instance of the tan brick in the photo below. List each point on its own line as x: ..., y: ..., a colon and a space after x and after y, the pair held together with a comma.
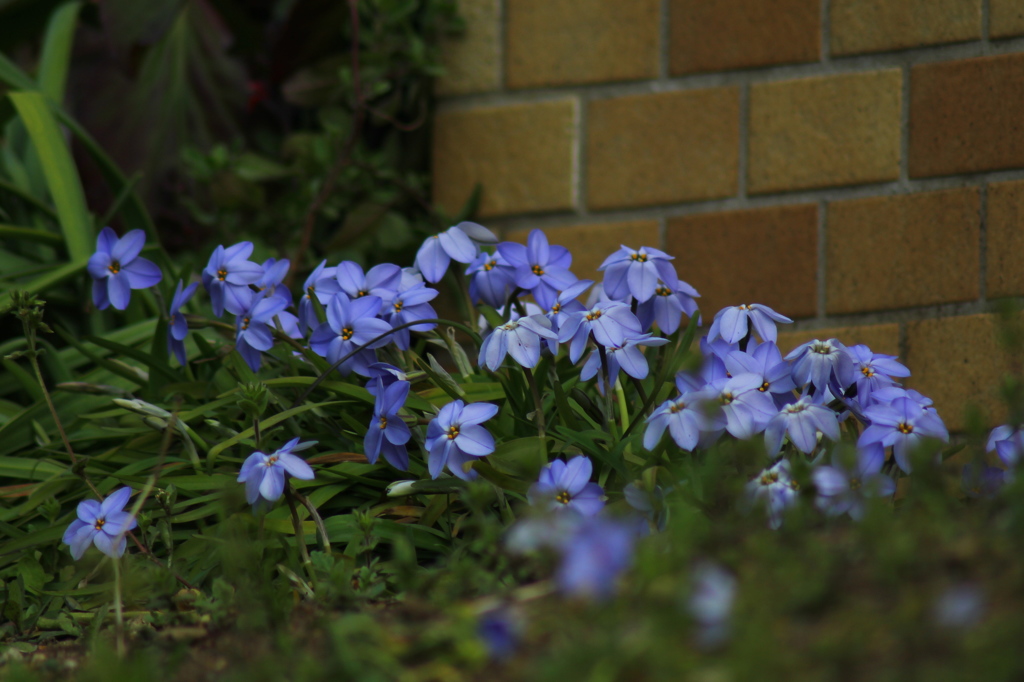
x: 876, y: 25
x: 767, y: 255
x: 956, y: 361
x: 472, y: 61
x: 560, y: 42
x: 734, y: 34
x: 522, y: 155
x: 663, y: 148
x: 965, y: 116
x: 1004, y: 237
x: 591, y: 244
x: 820, y: 132
x: 880, y: 338
x: 902, y: 251
x: 1006, y: 18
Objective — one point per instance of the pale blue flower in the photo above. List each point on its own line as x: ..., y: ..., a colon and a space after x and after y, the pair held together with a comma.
x: 541, y: 269
x: 117, y: 268
x: 802, y: 420
x: 102, y: 524
x: 177, y: 326
x: 637, y: 272
x: 520, y: 338
x: 455, y: 437
x: 264, y: 475
x: 843, y: 489
x: 902, y: 425
x: 734, y: 323
x: 387, y: 433
x: 567, y: 486
x: 227, y: 277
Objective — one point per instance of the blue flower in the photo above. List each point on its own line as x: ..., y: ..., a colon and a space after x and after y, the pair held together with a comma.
x: 388, y: 434
x: 455, y: 243
x: 1007, y: 442
x: 611, y: 323
x: 775, y: 490
x: 685, y: 417
x: 314, y: 287
x: 980, y: 480
x: 381, y: 280
x: 667, y: 306
x: 455, y: 436
x: 274, y: 272
x: 117, y: 268
x: 410, y: 305
x: 627, y: 357
x: 566, y: 485
x: 350, y: 324
x: 541, y: 269
x: 821, y: 362
x: 711, y: 601
x: 102, y: 524
x: 387, y: 374
x: 490, y: 279
x: 594, y: 555
x: 629, y: 272
x: 263, y: 474
x: 252, y: 327
x: 520, y: 338
x: 734, y: 323
x: 177, y: 326
x: 874, y: 370
x: 500, y: 631
x: 766, y: 361
x: 745, y: 410
x: 802, y: 420
x: 902, y: 425
x: 227, y: 277
x: 842, y: 489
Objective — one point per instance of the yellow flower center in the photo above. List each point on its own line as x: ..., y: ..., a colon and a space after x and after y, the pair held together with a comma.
x: 114, y: 267
x: 593, y: 315
x: 641, y: 257
x: 867, y: 371
x: 245, y: 323
x: 398, y: 306
x: 563, y: 497
x: 904, y: 427
x: 346, y: 334
x: 537, y: 270
x: 222, y: 274
x: 100, y: 523
x: 663, y: 291
x: 453, y: 432
x: 490, y: 265
x: 765, y: 386
x: 769, y: 478
x: 383, y: 422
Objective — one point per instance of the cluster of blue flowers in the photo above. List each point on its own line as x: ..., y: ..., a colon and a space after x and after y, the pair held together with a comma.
x: 745, y: 387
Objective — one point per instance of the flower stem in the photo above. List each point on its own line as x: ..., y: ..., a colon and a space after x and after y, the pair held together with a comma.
x: 538, y: 403
x: 118, y: 610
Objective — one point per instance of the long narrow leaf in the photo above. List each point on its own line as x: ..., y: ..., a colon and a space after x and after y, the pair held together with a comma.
x: 56, y: 53
x: 59, y: 168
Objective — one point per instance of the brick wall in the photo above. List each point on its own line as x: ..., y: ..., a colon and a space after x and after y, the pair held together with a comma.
x: 856, y: 164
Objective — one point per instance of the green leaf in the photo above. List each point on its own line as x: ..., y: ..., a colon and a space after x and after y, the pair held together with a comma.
x: 155, y: 365
x: 59, y: 169
x: 30, y: 234
x: 265, y: 424
x: 47, y: 281
x: 56, y: 53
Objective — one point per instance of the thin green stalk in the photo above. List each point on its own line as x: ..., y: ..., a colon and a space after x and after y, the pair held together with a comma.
x: 118, y: 609
x: 538, y: 403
